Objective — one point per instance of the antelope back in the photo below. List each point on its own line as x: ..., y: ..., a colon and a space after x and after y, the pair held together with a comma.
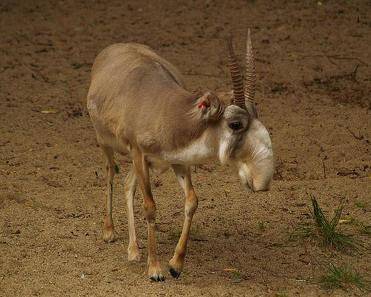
x: 138, y: 96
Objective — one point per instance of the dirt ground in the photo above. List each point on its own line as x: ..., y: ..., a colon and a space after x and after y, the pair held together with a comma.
x: 314, y: 86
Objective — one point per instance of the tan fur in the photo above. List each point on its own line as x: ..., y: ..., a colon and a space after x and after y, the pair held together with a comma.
x: 136, y: 97
x: 139, y: 107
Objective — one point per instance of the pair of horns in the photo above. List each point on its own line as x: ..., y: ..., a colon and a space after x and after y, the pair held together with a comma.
x: 243, y: 95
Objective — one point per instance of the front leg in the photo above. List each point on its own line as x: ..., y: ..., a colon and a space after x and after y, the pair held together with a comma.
x: 184, y: 177
x: 142, y: 172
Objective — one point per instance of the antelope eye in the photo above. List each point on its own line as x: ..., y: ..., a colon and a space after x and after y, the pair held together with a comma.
x: 235, y: 125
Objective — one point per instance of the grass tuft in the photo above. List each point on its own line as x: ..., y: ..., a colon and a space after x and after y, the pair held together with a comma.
x: 361, y: 205
x: 262, y: 226
x: 327, y: 228
x: 280, y: 294
x: 366, y: 230
x: 342, y: 277
x: 117, y: 169
x: 303, y: 231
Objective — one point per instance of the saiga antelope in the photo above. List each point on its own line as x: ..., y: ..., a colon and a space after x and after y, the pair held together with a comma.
x: 140, y: 107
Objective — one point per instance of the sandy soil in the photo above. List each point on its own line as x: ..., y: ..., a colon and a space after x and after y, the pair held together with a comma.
x: 313, y: 62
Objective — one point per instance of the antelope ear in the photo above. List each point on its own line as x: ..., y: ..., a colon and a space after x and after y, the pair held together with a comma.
x: 210, y: 106
x: 226, y: 97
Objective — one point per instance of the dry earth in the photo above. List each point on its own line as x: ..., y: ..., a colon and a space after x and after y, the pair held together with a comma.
x: 313, y: 61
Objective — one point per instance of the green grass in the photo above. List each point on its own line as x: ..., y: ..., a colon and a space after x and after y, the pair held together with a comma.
x: 366, y: 230
x: 236, y: 276
x: 342, y: 277
x: 362, y: 205
x: 262, y: 226
x: 280, y: 294
x: 327, y: 228
x: 304, y: 230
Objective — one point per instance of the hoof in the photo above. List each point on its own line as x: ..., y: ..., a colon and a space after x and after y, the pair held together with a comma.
x: 175, y: 267
x: 157, y: 278
x: 108, y: 235
x: 133, y: 253
x: 155, y: 273
x: 174, y: 273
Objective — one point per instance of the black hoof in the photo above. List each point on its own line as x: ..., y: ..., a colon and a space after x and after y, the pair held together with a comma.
x: 157, y: 278
x: 174, y: 273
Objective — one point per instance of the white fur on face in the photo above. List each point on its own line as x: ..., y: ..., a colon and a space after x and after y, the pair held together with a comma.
x: 228, y: 140
x: 259, y: 141
x: 225, y: 146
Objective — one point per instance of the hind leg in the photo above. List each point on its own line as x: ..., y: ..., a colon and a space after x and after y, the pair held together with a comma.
x: 130, y: 187
x: 108, y: 228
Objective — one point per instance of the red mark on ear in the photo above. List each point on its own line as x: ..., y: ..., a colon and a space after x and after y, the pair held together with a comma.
x: 203, y: 105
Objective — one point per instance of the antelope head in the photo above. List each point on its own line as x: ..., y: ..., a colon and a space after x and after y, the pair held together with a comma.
x: 245, y: 142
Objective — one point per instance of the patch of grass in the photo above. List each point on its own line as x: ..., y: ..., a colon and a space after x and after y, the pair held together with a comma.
x: 342, y: 277
x: 236, y: 276
x: 262, y: 226
x: 302, y: 231
x: 281, y: 294
x: 327, y: 228
x: 361, y: 205
x: 366, y: 230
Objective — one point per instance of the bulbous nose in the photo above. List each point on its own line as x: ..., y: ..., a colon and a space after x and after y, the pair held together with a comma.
x: 257, y: 178
x: 262, y: 181
x: 257, y: 185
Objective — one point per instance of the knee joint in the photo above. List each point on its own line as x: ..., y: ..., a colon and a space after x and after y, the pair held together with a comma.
x: 191, y: 204
x: 149, y: 210
x: 110, y: 171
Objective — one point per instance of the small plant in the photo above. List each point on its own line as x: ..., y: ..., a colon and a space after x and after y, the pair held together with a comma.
x: 117, y: 169
x: 361, y: 205
x: 366, y: 230
x: 262, y: 226
x: 280, y: 294
x: 342, y: 277
x: 236, y: 277
x: 327, y: 228
x: 304, y: 230
x: 234, y: 274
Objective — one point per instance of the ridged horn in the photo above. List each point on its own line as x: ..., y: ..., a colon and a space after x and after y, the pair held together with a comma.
x: 250, y: 74
x: 236, y: 76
